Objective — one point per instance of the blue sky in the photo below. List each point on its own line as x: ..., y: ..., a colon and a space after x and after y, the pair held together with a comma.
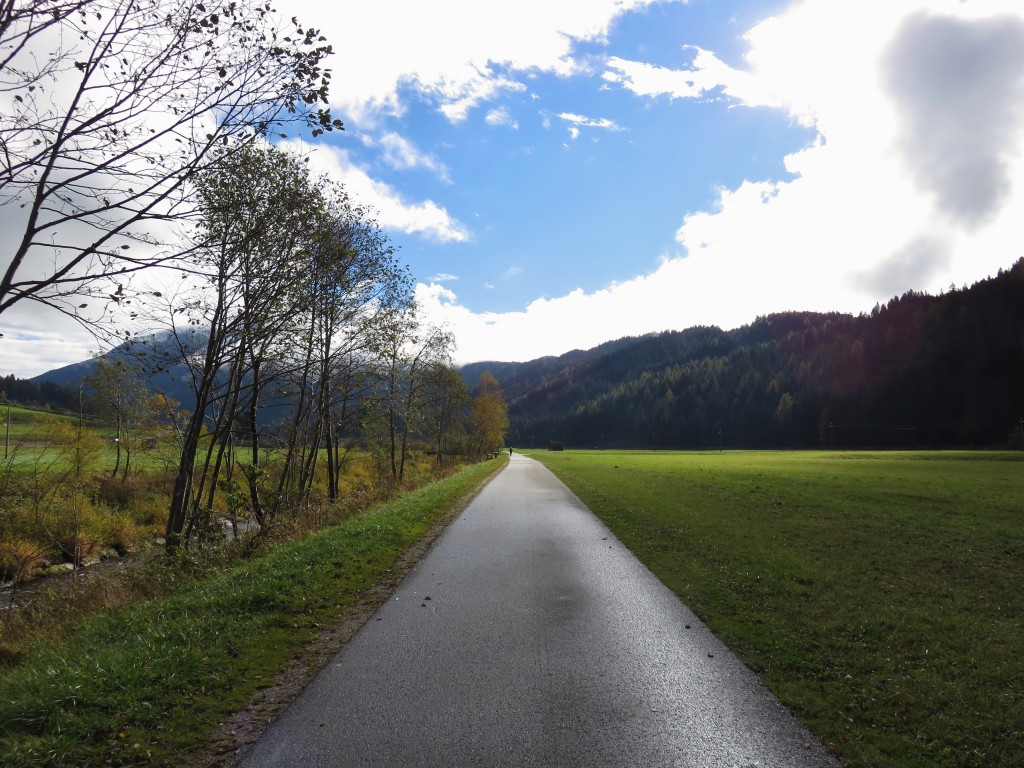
x: 568, y: 182
x: 561, y: 173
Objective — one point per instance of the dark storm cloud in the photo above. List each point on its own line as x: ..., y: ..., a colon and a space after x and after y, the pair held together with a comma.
x: 913, y: 265
x: 959, y: 87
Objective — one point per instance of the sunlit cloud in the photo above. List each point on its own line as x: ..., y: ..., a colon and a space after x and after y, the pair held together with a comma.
x: 460, y: 97
x: 590, y: 122
x: 580, y: 121
x: 458, y: 53
x: 708, y: 75
x: 394, y: 212
x: 500, y: 116
x: 401, y: 154
x: 915, y: 179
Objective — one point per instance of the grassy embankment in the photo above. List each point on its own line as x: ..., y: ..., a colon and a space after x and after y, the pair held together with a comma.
x: 148, y: 685
x: 879, y: 595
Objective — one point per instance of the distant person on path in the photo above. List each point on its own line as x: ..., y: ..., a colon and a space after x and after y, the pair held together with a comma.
x: 510, y: 452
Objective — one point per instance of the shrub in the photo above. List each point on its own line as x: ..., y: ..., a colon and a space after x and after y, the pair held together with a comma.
x: 116, y: 492
x: 119, y: 531
x: 21, y: 558
x: 74, y: 524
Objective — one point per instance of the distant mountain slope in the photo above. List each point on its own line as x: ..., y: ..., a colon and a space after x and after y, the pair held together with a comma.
x: 920, y: 371
x: 170, y: 379
x: 68, y: 375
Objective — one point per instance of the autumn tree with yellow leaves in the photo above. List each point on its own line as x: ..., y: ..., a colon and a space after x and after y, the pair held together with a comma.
x: 488, y: 418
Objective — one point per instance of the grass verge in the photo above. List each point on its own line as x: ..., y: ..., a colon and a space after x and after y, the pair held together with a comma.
x: 149, y: 685
x: 879, y: 595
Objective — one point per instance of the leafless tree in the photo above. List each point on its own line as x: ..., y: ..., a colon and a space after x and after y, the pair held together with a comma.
x: 445, y: 399
x: 109, y: 109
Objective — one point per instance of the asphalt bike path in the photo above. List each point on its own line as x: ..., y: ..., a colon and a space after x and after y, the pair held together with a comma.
x: 529, y: 636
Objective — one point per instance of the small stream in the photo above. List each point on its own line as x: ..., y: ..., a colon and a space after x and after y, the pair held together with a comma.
x: 12, y: 597
x: 26, y: 591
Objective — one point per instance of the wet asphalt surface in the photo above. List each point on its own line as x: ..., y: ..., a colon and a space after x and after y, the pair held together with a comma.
x: 529, y: 636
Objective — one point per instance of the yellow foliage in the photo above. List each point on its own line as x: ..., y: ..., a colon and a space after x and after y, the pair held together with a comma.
x: 20, y: 558
x: 119, y: 531
x: 74, y: 524
x: 489, y: 416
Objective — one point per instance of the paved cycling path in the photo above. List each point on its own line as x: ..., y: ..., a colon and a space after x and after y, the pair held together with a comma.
x: 529, y: 636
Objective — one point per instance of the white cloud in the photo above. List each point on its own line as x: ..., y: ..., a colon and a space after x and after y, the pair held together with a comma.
x: 707, y: 74
x: 455, y: 52
x: 577, y: 121
x: 590, y: 122
x: 443, y: 277
x: 853, y: 213
x: 424, y: 218
x: 459, y: 98
x: 401, y: 154
x: 36, y: 340
x: 875, y: 206
x: 578, y: 320
x: 500, y: 116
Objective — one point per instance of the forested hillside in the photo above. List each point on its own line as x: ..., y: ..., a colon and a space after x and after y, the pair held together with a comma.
x: 930, y: 371
x: 921, y: 370
x: 46, y: 394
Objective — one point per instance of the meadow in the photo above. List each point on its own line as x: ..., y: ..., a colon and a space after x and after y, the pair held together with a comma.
x: 880, y: 596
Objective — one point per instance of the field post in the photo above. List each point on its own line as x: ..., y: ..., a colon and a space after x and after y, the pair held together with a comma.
x: 7, y: 437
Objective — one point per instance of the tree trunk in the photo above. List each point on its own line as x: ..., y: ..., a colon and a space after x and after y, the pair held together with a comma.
x: 254, y: 431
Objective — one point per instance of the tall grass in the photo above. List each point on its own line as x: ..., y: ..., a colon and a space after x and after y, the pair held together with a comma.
x: 879, y: 595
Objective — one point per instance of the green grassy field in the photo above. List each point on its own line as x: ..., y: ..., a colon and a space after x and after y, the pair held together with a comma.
x: 30, y: 441
x: 25, y: 422
x: 879, y: 595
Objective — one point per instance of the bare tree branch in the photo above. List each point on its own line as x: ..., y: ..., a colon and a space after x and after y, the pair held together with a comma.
x: 109, y: 109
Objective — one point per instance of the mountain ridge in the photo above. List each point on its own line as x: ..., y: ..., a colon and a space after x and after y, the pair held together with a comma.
x: 920, y: 371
